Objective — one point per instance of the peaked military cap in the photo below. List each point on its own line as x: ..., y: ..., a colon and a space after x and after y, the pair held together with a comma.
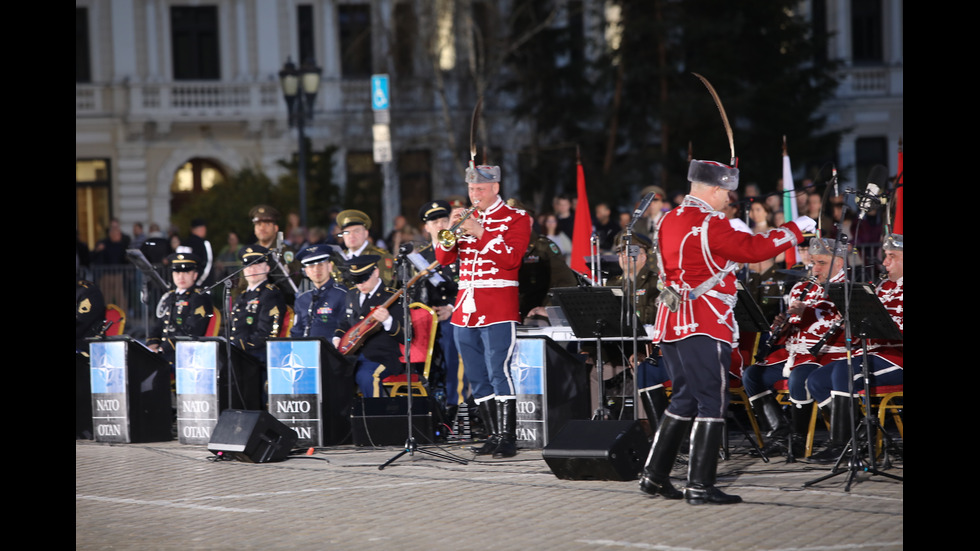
x: 361, y: 267
x: 434, y: 210
x: 183, y: 262
x: 353, y: 217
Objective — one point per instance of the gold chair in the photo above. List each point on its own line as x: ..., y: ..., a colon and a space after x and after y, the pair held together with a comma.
x: 116, y: 315
x: 424, y: 325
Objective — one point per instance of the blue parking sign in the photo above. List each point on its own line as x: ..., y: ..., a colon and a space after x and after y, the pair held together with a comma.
x: 379, y: 93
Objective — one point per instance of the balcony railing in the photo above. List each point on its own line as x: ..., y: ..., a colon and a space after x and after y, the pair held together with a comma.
x: 879, y: 81
x: 211, y: 100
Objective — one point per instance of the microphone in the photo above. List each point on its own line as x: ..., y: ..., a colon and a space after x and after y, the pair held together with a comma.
x: 406, y: 248
x: 876, y: 181
x: 641, y: 208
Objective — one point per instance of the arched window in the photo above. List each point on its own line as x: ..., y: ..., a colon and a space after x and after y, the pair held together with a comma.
x: 194, y: 177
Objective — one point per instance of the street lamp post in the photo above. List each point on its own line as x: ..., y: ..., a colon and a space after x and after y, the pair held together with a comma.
x: 299, y: 88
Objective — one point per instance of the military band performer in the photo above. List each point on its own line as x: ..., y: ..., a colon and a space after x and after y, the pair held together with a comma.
x: 378, y: 356
x: 651, y: 372
x: 698, y: 253
x: 319, y: 310
x: 355, y: 232
x: 260, y: 309
x: 810, y: 319
x: 829, y: 384
x: 489, y: 249
x: 183, y: 312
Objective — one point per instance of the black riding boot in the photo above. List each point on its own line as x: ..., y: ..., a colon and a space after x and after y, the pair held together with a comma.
x: 654, y: 404
x: 840, y: 429
x: 800, y: 424
x: 507, y: 425
x: 702, y: 469
x: 774, y: 425
x: 666, y: 443
x: 488, y: 413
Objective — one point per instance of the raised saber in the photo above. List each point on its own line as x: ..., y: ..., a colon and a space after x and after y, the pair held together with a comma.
x: 724, y: 117
x: 473, y: 123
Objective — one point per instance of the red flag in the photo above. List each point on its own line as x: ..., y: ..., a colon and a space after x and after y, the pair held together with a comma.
x: 898, y: 194
x: 582, y: 234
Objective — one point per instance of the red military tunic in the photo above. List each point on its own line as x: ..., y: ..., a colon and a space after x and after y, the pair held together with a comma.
x: 807, y: 329
x: 696, y: 242
x: 488, y: 266
x: 892, y: 295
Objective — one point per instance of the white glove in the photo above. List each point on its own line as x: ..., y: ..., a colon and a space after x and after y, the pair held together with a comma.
x: 805, y: 223
x: 737, y: 224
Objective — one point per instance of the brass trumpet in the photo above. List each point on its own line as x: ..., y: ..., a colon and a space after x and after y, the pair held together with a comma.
x: 447, y: 238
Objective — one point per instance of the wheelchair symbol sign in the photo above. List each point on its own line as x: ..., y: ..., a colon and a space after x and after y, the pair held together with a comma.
x: 379, y: 92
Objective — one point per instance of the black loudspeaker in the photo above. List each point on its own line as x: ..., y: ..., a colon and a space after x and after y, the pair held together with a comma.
x: 384, y: 421
x: 599, y: 450
x: 251, y: 436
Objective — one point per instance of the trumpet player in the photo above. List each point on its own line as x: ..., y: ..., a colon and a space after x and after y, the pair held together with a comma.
x: 488, y: 240
x: 810, y: 320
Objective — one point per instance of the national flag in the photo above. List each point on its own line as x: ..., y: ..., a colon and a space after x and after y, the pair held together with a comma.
x: 790, y: 212
x: 582, y: 233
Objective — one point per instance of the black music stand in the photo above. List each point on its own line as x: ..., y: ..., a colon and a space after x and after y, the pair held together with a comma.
x: 868, y: 318
x: 138, y: 259
x: 594, y: 313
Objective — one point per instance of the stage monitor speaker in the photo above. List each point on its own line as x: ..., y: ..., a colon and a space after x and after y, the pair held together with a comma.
x: 252, y: 436
x: 384, y: 421
x: 599, y: 450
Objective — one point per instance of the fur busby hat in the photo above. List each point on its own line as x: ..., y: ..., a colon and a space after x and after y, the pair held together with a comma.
x: 483, y: 174
x: 894, y: 242
x: 826, y: 247
x: 713, y: 173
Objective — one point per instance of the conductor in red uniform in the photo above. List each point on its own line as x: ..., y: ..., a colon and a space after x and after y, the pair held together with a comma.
x: 490, y: 247
x: 698, y: 252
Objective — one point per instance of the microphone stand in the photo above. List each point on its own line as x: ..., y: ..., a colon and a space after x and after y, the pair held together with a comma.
x: 411, y: 446
x: 629, y: 298
x: 629, y: 311
x: 226, y: 284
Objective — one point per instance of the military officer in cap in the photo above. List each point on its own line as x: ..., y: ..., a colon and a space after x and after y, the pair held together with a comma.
x: 265, y: 223
x: 378, y: 356
x: 651, y: 372
x: 698, y: 252
x: 355, y: 226
x: 183, y: 312
x: 260, y: 309
x: 829, y: 385
x: 492, y: 242
x: 319, y: 310
x: 440, y: 293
